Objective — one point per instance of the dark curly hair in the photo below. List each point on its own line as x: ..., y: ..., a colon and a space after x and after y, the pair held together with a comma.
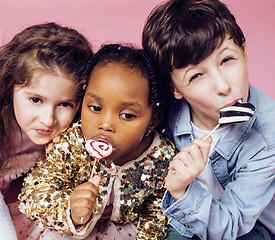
x: 178, y: 33
x: 137, y: 59
x: 45, y: 47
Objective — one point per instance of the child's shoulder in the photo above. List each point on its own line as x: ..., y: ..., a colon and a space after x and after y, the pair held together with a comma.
x: 73, y: 135
x: 71, y: 140
x: 73, y: 130
x: 264, y: 115
x: 265, y: 108
x: 164, y: 146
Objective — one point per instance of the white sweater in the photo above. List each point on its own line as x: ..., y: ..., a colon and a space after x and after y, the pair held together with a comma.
x: 7, y: 231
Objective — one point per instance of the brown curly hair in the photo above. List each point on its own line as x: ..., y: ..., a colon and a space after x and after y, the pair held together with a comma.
x: 45, y: 47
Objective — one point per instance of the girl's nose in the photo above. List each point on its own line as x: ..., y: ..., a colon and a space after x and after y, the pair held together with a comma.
x: 106, y: 123
x: 48, y: 117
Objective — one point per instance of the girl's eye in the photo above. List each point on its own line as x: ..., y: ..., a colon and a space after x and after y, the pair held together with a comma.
x: 35, y: 100
x: 227, y: 59
x: 66, y: 104
x: 95, y: 108
x: 128, y: 115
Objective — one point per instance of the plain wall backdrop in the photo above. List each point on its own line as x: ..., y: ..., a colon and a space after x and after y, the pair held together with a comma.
x: 105, y: 21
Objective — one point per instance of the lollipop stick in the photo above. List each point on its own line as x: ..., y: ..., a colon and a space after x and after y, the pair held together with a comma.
x: 97, y: 150
x: 93, y: 170
x: 214, y: 129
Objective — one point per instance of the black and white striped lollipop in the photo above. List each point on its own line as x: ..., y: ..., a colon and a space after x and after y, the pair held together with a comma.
x: 237, y: 113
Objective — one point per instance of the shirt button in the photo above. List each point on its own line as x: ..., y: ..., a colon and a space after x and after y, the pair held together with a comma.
x: 187, y: 225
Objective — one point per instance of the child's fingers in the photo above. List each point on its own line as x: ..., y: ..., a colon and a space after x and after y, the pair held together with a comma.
x: 181, y: 161
x: 188, y: 163
x: 83, y: 199
x: 177, y: 180
x: 186, y: 166
x: 82, y: 203
x: 192, y: 158
x: 85, y: 190
x: 81, y: 211
x: 96, y: 180
x: 80, y: 215
x: 195, y: 159
x: 204, y: 148
x: 84, y: 195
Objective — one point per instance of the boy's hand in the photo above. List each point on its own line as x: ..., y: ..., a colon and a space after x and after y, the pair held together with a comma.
x: 83, y: 199
x: 186, y: 166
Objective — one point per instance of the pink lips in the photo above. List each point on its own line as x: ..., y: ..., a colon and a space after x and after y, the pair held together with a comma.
x: 43, y: 132
x: 230, y: 104
x: 104, y: 139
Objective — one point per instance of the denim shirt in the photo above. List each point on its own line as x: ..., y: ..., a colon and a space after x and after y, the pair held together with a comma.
x: 244, y: 164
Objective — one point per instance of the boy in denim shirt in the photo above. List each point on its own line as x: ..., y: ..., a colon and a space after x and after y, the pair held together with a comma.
x: 224, y: 189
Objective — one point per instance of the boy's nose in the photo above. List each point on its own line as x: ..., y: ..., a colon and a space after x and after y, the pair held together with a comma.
x: 222, y: 85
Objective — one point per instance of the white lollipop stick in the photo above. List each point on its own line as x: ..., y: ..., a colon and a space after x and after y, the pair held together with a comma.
x: 237, y: 113
x: 98, y: 150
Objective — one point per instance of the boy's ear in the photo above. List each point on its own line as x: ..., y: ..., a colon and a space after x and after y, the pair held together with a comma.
x: 177, y: 95
x: 245, y: 51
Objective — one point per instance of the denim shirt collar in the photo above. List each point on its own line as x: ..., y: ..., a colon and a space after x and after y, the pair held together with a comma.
x: 183, y: 120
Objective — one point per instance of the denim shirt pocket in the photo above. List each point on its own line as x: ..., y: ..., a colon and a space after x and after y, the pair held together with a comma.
x: 220, y: 168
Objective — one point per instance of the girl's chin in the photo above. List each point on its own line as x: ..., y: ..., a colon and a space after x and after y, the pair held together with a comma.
x: 40, y: 141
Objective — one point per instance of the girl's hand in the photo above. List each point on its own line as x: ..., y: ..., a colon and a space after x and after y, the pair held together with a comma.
x: 83, y: 200
x: 186, y: 166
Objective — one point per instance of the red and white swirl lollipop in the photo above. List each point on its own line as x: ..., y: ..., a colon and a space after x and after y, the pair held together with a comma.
x: 98, y: 150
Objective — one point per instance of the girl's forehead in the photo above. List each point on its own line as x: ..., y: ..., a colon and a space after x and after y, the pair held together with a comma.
x: 122, y: 73
x: 40, y: 77
x: 57, y: 86
x: 117, y: 80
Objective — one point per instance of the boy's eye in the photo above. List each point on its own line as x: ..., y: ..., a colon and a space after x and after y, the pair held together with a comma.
x: 35, y: 100
x: 227, y: 59
x: 194, y: 77
x: 128, y: 115
x: 95, y: 108
x: 66, y: 104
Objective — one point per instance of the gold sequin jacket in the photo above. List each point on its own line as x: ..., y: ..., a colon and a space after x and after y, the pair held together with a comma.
x: 138, y: 187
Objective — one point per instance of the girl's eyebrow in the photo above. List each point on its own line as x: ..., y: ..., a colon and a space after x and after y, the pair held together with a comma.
x: 132, y: 104
x: 30, y: 92
x: 89, y: 94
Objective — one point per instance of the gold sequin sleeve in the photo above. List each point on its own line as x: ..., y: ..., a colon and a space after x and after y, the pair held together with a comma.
x: 47, y: 189
x: 153, y: 224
